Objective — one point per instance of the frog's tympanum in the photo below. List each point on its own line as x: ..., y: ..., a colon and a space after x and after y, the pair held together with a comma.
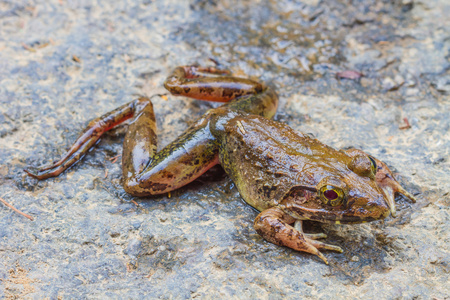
x: 286, y: 175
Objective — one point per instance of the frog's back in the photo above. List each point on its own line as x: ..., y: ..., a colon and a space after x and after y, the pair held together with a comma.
x: 261, y: 158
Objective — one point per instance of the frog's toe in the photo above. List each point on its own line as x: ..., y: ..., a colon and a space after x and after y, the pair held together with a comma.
x: 33, y: 172
x: 315, y: 236
x: 43, y: 173
x: 320, y: 245
x: 322, y: 257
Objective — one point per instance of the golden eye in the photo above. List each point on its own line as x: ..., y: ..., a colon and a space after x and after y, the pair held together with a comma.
x: 373, y: 165
x: 331, y: 195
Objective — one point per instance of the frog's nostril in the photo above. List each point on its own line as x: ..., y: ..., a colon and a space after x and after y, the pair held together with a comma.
x: 378, y: 208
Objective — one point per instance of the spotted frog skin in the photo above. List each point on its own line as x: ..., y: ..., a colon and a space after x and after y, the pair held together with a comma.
x: 286, y: 175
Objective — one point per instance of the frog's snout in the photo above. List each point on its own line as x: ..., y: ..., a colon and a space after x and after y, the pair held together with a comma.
x: 376, y: 209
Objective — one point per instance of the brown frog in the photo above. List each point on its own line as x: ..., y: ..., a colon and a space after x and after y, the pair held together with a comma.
x: 288, y: 176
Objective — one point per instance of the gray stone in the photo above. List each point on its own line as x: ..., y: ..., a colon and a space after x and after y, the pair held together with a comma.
x: 442, y: 84
x: 63, y: 63
x: 388, y: 84
x: 133, y: 248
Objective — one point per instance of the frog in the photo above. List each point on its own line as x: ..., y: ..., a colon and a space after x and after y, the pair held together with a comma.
x: 288, y: 176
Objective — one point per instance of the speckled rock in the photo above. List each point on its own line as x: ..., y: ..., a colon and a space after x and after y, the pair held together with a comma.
x: 63, y: 63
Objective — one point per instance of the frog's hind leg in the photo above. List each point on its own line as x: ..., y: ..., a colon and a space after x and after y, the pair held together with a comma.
x: 212, y: 84
x: 178, y: 164
x: 88, y: 138
x: 273, y: 225
x: 145, y: 172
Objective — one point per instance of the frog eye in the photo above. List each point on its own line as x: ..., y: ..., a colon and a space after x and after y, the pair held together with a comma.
x: 331, y: 195
x: 373, y: 165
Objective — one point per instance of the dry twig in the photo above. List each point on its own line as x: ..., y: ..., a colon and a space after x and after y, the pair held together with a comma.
x: 114, y: 159
x: 16, y: 210
x: 407, y: 125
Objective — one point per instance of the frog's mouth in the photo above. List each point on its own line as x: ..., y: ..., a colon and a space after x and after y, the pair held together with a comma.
x: 326, y: 216
x: 304, y: 203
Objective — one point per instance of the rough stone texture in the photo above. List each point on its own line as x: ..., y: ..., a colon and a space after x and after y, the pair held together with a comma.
x: 63, y: 63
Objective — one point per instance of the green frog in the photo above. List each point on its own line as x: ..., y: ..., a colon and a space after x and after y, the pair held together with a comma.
x: 286, y: 175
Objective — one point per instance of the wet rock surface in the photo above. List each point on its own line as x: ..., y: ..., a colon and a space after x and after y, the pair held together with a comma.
x: 63, y: 63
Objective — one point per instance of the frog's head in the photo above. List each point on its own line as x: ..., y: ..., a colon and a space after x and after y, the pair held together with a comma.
x: 383, y: 176
x: 361, y: 190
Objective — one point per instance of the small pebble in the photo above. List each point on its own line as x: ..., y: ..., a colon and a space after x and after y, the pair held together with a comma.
x: 355, y: 258
x: 133, y: 248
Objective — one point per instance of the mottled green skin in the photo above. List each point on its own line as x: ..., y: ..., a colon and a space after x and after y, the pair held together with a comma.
x: 283, y: 174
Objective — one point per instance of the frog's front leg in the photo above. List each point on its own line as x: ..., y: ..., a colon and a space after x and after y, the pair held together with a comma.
x: 273, y: 224
x: 385, y: 180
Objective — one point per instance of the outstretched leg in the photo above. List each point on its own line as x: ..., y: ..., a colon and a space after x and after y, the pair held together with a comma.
x: 147, y: 172
x: 87, y: 139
